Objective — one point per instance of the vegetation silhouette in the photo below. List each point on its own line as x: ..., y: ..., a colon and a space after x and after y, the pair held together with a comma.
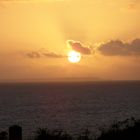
x: 122, y: 130
x: 3, y: 135
x: 45, y: 134
x: 128, y: 129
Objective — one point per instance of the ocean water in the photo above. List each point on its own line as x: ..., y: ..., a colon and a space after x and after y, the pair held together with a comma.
x: 69, y: 106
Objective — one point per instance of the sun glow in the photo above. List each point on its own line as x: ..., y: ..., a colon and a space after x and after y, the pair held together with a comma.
x: 74, y: 57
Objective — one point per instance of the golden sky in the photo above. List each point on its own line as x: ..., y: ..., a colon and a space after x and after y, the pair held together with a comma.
x: 36, y: 36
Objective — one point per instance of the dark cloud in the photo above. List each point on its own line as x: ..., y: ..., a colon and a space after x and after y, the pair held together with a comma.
x: 111, y: 48
x: 77, y: 46
x: 133, y: 5
x: 53, y: 55
x: 38, y: 54
x: 118, y: 47
x: 33, y: 54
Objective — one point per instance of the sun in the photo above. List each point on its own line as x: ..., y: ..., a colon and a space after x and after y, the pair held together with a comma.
x: 74, y: 57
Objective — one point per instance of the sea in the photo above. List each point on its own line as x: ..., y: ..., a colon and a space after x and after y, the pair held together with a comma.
x: 71, y: 106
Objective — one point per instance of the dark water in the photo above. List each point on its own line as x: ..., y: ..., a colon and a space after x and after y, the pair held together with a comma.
x: 70, y: 106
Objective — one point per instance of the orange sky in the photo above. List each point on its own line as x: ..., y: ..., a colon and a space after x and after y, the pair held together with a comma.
x: 36, y: 36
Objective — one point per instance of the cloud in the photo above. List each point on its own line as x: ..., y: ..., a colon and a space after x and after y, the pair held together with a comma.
x: 53, y: 55
x: 77, y: 46
x: 38, y: 54
x: 33, y: 54
x: 134, y: 4
x: 118, y: 47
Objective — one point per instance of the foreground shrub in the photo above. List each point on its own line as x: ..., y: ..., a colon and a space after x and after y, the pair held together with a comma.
x: 128, y: 129
x: 122, y: 130
x: 45, y: 134
x: 3, y: 135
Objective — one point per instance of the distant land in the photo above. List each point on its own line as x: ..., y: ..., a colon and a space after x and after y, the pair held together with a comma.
x: 67, y: 79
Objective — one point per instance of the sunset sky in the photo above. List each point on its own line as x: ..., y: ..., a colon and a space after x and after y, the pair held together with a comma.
x: 37, y: 35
